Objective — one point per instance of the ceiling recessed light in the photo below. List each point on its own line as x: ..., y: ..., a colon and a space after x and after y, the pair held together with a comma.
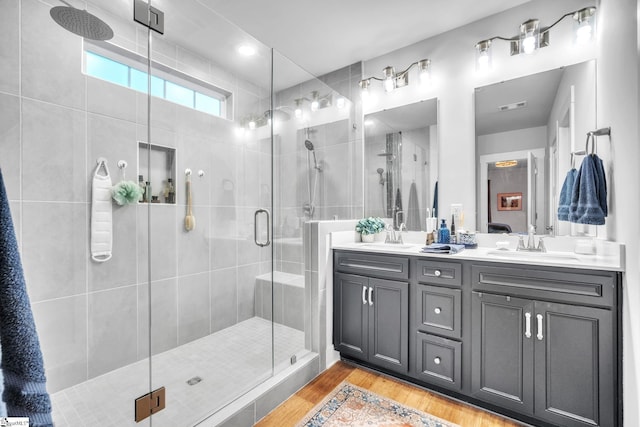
x: 246, y: 50
x: 506, y: 163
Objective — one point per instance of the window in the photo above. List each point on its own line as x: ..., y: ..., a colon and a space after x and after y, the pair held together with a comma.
x: 116, y: 65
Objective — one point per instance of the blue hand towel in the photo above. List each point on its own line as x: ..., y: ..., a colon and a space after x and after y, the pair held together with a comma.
x: 25, y: 393
x: 565, y: 195
x: 589, y: 196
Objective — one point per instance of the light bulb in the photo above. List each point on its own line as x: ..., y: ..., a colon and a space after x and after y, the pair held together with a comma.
x: 584, y: 33
x: 298, y: 113
x: 529, y: 36
x: 483, y: 56
x: 388, y: 84
x: 529, y: 44
x: 340, y: 102
x: 252, y: 124
x: 389, y: 79
x: 314, y: 105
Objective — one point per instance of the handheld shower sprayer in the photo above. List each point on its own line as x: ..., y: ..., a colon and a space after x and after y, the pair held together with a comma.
x: 380, y: 172
x: 309, y: 146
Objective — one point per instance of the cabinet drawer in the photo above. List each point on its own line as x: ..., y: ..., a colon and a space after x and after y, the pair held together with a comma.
x: 440, y: 272
x: 593, y: 288
x: 383, y: 266
x: 438, y: 361
x: 439, y: 310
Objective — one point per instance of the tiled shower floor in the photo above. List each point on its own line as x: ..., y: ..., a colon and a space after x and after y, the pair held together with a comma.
x: 229, y: 363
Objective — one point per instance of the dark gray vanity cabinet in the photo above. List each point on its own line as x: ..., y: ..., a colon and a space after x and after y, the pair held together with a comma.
x: 536, y: 343
x: 545, y: 359
x: 371, y: 315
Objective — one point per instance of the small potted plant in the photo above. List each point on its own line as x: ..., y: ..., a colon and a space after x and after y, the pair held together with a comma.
x: 369, y: 227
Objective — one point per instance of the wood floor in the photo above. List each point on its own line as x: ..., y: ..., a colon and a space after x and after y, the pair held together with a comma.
x: 297, y: 406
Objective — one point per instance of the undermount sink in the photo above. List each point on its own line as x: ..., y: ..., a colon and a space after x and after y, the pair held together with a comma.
x: 549, y: 256
x: 387, y: 246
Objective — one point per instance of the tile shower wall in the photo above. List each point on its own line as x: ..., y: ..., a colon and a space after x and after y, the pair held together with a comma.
x: 338, y: 148
x: 54, y: 123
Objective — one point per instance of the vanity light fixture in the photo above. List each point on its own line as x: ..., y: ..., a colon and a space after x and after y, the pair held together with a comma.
x: 316, y: 102
x: 532, y: 36
x: 392, y: 80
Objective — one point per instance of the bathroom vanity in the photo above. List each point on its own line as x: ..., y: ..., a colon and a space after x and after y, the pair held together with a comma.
x: 536, y: 340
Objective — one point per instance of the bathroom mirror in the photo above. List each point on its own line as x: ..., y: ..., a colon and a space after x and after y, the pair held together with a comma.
x: 526, y: 130
x: 401, y: 163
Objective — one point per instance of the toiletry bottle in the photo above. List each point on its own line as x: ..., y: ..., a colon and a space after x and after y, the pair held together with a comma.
x: 443, y: 233
x: 171, y: 191
x: 143, y: 186
x: 146, y: 197
x: 452, y: 238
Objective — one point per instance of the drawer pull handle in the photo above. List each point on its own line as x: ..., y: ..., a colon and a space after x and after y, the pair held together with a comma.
x: 364, y: 295
x: 527, y: 325
x: 370, y: 292
x: 539, y: 336
x: 437, y: 273
x: 437, y: 360
x: 437, y: 310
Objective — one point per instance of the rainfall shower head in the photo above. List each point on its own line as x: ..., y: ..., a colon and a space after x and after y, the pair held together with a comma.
x: 81, y: 22
x: 308, y: 144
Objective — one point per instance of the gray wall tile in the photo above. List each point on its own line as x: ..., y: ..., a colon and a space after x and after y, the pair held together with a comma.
x: 224, y: 237
x: 246, y: 290
x: 113, y: 331
x: 45, y: 43
x: 193, y: 307
x: 224, y: 296
x: 10, y: 143
x: 53, y: 153
x: 111, y: 100
x: 163, y: 241
x: 54, y: 249
x: 193, y: 246
x: 9, y: 47
x: 164, y: 317
x: 62, y: 330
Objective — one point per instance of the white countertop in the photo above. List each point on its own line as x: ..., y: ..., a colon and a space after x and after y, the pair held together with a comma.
x: 560, y: 250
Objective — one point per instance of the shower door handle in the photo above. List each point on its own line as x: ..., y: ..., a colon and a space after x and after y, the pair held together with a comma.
x: 255, y: 227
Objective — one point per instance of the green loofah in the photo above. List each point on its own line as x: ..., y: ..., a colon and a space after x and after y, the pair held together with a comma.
x: 126, y: 193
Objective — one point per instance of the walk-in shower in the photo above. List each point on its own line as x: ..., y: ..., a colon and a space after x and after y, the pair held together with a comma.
x: 204, y: 312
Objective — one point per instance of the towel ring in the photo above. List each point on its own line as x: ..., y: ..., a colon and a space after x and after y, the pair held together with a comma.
x: 593, y: 143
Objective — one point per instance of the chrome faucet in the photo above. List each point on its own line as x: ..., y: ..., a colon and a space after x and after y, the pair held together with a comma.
x: 531, y: 242
x: 395, y: 236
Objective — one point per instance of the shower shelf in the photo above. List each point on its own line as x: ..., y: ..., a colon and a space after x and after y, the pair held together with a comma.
x: 157, y: 164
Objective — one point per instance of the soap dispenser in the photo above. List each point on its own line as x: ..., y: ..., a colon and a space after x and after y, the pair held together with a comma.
x: 443, y: 233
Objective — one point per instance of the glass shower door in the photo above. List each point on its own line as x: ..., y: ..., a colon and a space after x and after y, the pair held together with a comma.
x: 207, y: 156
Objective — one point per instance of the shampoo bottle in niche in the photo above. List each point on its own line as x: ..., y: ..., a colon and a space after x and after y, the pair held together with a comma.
x: 443, y: 233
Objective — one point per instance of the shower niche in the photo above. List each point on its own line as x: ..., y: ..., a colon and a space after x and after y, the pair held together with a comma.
x: 157, y: 173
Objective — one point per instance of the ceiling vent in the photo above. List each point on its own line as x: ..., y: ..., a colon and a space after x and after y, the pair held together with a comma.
x: 514, y: 106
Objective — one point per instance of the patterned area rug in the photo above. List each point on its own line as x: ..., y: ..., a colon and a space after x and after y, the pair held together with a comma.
x: 348, y: 405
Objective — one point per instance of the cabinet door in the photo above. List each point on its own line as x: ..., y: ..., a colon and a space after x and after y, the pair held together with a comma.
x: 502, y: 351
x: 351, y: 314
x: 389, y: 325
x: 574, y: 365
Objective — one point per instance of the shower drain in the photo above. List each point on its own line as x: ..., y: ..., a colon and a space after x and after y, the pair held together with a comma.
x: 194, y: 380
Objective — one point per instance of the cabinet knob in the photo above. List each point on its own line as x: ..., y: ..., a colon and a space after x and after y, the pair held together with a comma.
x: 437, y: 273
x: 437, y: 360
x: 437, y: 310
